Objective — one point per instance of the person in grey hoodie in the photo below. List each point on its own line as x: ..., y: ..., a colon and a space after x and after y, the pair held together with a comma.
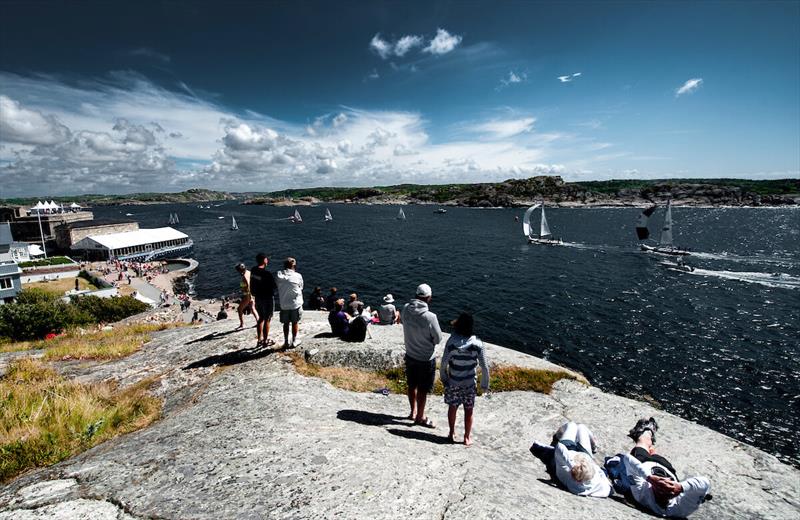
x: 421, y: 334
x: 462, y: 354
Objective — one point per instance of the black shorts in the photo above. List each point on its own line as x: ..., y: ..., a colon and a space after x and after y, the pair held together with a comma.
x: 264, y: 308
x: 420, y: 374
x: 642, y: 455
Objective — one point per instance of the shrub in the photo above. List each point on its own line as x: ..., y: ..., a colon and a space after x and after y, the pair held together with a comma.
x: 37, y: 313
x: 56, y: 260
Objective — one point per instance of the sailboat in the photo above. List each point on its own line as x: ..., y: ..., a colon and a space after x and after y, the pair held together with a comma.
x: 172, y: 219
x: 401, y: 215
x: 328, y: 216
x: 234, y: 225
x: 177, y: 220
x: 296, y: 218
x: 545, y: 236
x: 665, y: 245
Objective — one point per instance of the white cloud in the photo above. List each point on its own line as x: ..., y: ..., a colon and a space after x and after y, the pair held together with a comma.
x: 339, y: 120
x: 29, y: 127
x: 569, y: 77
x: 689, y: 87
x: 443, y: 42
x: 373, y: 75
x: 382, y: 47
x: 504, y: 128
x: 511, y: 79
x: 406, y: 43
x: 147, y: 52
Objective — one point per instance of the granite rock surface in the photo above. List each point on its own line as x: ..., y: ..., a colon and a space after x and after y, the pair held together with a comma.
x: 244, y: 436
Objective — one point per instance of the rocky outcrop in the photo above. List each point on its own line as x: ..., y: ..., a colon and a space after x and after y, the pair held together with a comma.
x: 244, y: 436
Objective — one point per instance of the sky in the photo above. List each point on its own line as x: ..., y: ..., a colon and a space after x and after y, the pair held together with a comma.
x: 112, y: 97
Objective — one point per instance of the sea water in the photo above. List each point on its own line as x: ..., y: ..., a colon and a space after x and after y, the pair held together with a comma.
x: 718, y: 346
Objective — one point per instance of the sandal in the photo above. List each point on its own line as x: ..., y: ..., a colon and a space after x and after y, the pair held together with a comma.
x: 426, y: 423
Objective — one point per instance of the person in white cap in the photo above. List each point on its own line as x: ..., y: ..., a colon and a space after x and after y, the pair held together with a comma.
x: 421, y: 334
x: 388, y: 313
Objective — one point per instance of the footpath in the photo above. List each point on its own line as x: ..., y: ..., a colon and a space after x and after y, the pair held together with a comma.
x: 243, y: 435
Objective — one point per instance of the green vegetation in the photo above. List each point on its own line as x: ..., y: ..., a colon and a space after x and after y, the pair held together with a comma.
x: 37, y: 313
x: 193, y: 195
x: 62, y: 285
x: 502, y: 378
x: 725, y: 191
x: 45, y: 418
x: 53, y: 260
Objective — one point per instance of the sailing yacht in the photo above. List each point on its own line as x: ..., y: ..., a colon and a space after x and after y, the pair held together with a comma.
x: 665, y: 245
x: 328, y: 216
x: 545, y: 236
x: 296, y: 218
x: 401, y: 215
x: 234, y: 225
x: 172, y: 221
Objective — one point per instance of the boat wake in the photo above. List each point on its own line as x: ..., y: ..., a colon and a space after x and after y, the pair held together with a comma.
x: 778, y: 280
x: 747, y: 259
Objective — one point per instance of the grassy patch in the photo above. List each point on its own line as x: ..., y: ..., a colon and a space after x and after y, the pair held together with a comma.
x: 112, y: 344
x: 45, y: 418
x: 53, y: 260
x: 62, y: 285
x: 502, y: 378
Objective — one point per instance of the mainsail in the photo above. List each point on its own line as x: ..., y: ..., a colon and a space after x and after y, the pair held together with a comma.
x: 526, y: 220
x: 328, y: 216
x: 666, y: 231
x: 401, y: 215
x: 177, y: 220
x: 234, y: 225
x: 171, y: 219
x: 297, y: 217
x: 545, y: 229
x: 641, y: 225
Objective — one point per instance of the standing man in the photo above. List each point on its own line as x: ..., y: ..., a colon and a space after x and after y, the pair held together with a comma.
x: 262, y: 289
x: 290, y: 296
x: 421, y: 334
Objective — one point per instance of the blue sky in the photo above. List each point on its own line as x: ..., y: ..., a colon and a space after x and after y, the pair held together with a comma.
x: 251, y: 96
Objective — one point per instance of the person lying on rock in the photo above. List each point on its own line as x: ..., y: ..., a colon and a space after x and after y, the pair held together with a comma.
x: 571, y: 462
x: 462, y: 354
x: 653, y: 481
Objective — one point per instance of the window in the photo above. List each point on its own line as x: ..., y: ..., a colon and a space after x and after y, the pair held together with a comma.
x: 6, y: 283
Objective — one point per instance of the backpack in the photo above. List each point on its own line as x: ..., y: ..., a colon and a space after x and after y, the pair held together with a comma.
x: 358, y: 330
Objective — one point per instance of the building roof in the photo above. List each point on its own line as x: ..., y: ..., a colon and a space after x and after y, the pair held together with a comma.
x: 5, y: 234
x: 137, y: 238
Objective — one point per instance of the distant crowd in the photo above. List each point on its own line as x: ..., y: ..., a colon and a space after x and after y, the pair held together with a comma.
x: 643, y: 476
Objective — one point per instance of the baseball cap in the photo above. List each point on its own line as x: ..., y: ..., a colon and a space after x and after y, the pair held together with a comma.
x: 424, y: 290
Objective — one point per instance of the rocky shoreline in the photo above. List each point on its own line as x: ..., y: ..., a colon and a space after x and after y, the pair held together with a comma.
x: 243, y: 435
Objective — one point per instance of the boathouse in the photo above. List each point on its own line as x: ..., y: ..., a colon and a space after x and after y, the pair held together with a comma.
x: 141, y: 245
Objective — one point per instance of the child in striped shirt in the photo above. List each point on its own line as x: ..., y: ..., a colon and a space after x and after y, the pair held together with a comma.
x: 462, y: 354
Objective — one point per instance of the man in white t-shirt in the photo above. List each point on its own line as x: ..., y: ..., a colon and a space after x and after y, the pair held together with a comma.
x: 290, y: 296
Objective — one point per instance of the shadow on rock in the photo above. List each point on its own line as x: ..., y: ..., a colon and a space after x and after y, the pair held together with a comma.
x: 420, y: 436
x: 214, y: 335
x: 326, y: 335
x: 233, y: 358
x: 370, y: 418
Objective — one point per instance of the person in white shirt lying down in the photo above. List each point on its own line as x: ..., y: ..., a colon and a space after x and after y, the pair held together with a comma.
x: 575, y: 467
x: 653, y: 481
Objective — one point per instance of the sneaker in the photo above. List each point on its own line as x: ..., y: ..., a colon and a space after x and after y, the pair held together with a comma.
x: 296, y: 343
x: 643, y: 425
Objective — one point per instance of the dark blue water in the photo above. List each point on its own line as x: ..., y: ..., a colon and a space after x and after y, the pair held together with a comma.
x: 718, y: 346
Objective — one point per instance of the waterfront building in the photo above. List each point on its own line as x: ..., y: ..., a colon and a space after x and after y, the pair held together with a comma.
x: 141, y: 245
x: 25, y: 223
x: 73, y: 232
x: 10, y: 272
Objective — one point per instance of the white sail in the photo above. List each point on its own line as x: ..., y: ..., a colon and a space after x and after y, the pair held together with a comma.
x: 666, y: 231
x: 328, y: 216
x: 234, y: 225
x: 545, y: 229
x: 401, y: 215
x: 177, y: 220
x: 297, y: 217
x: 526, y: 220
x: 171, y: 219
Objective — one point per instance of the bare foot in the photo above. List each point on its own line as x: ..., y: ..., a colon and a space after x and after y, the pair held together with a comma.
x: 451, y: 438
x: 467, y: 442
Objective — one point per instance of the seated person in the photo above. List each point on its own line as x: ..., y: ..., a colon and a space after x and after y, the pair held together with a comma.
x: 571, y: 461
x: 352, y: 305
x: 357, y: 330
x: 388, y: 313
x: 338, y: 319
x: 653, y: 481
x: 316, y: 302
x: 222, y: 314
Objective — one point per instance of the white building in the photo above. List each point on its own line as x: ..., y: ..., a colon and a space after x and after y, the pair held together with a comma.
x: 141, y: 245
x: 10, y: 284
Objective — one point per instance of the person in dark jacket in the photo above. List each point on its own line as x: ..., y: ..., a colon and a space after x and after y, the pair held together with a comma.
x: 262, y: 290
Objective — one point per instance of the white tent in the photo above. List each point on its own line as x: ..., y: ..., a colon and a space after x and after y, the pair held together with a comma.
x: 74, y: 206
x: 35, y: 250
